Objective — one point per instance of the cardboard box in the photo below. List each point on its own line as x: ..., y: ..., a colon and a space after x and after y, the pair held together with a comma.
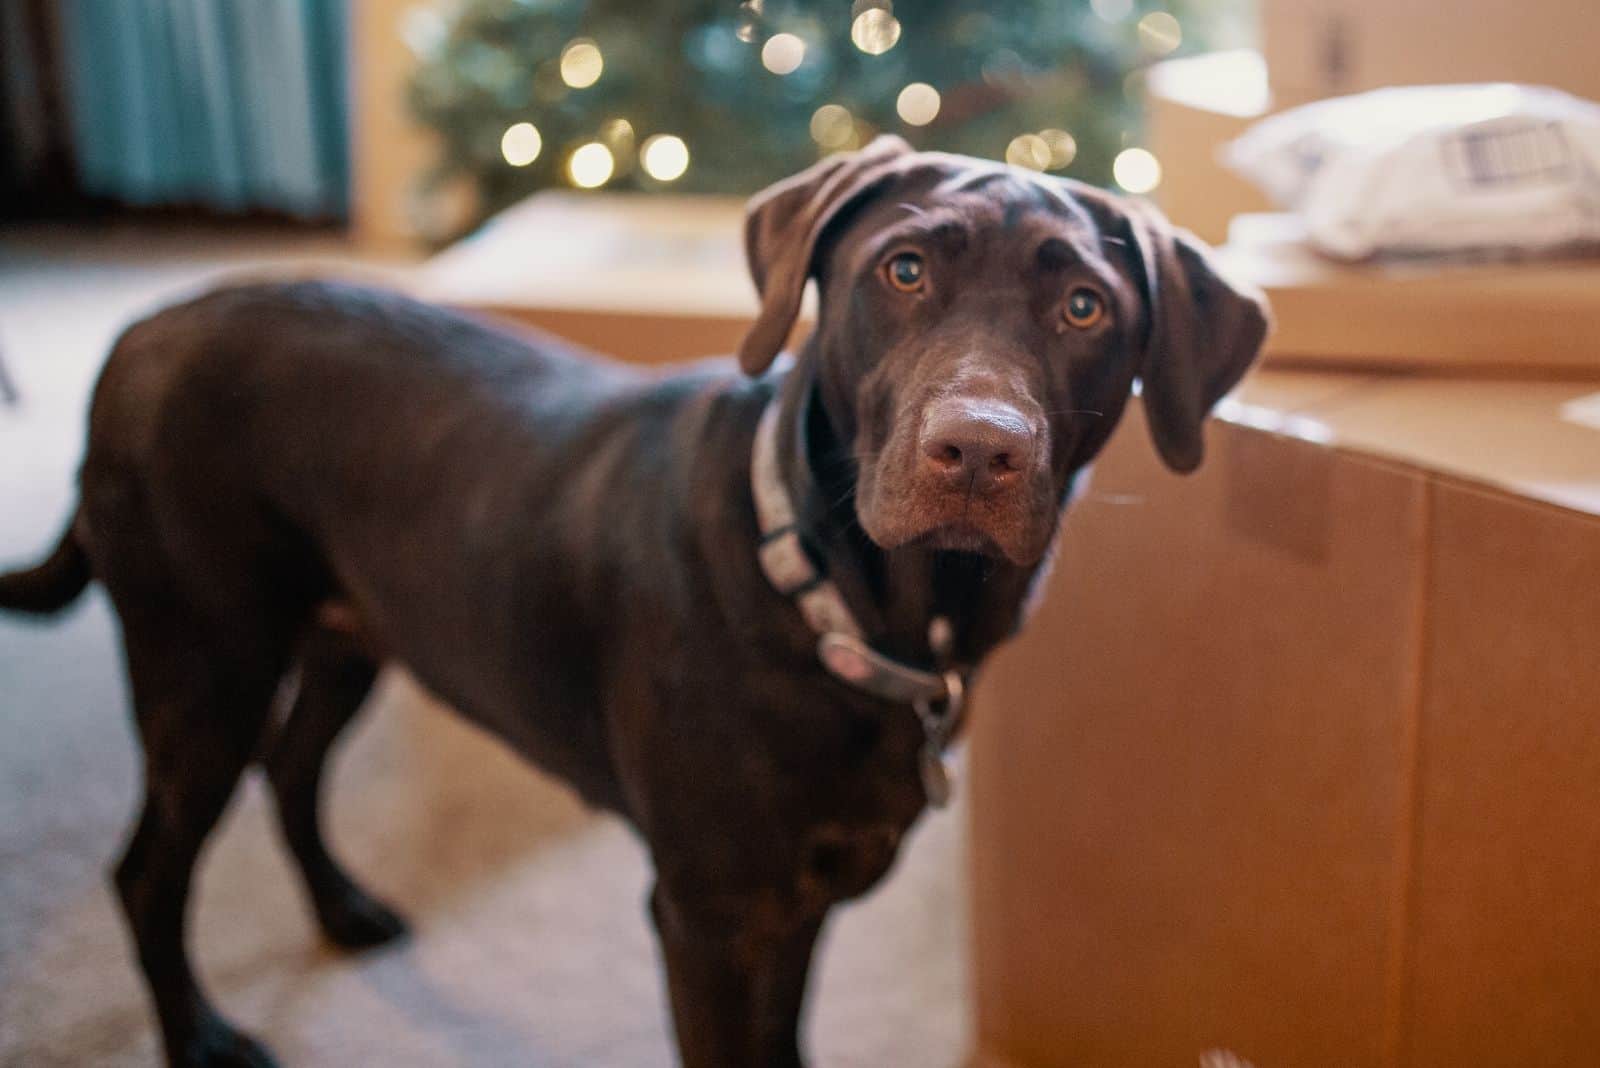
x: 1296, y: 761
x: 1532, y: 318
x: 1320, y: 48
x: 663, y: 278
x: 1193, y: 107
x: 653, y: 278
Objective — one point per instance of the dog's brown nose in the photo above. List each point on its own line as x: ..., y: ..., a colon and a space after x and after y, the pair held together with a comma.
x: 982, y: 446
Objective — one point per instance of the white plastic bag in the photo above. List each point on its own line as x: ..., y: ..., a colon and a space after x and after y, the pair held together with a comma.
x: 1481, y: 169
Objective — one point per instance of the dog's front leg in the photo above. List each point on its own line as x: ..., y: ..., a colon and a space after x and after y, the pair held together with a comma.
x: 736, y: 978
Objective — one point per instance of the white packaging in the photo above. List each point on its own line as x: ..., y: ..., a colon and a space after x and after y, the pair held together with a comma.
x: 1482, y: 169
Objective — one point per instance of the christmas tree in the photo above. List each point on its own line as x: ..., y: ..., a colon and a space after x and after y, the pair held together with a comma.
x: 725, y: 97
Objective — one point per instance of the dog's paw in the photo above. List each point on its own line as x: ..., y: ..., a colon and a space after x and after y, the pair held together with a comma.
x: 355, y: 920
x: 217, y: 1044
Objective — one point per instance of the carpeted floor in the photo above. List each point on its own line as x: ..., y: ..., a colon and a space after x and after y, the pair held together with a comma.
x: 530, y: 945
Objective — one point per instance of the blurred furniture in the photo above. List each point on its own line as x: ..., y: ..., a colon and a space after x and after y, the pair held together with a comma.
x: 36, y: 168
x: 388, y: 151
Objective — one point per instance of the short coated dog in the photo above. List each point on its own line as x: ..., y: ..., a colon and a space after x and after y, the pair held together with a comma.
x: 735, y: 609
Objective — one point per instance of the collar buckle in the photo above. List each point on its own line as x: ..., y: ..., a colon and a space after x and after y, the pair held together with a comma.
x: 937, y: 696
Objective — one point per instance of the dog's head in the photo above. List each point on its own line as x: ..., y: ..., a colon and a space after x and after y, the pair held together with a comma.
x: 979, y: 331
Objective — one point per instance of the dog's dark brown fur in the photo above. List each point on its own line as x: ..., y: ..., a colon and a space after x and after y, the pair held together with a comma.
x: 317, y: 477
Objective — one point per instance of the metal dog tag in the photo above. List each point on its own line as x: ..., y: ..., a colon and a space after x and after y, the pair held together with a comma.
x: 937, y: 774
x: 936, y: 769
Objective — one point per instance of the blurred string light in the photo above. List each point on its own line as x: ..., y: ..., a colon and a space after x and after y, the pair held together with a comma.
x: 1062, y: 145
x: 917, y: 104
x: 833, y: 127
x: 520, y: 144
x: 1028, y: 150
x: 1159, y: 33
x: 581, y: 63
x: 424, y: 31
x: 750, y: 13
x: 873, y: 28
x: 590, y: 166
x: 617, y: 134
x: 1047, y: 150
x: 783, y: 53
x: 664, y: 157
x: 1136, y: 170
x: 1112, y: 10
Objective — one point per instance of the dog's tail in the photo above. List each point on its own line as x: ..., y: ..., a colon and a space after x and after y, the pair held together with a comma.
x: 49, y: 586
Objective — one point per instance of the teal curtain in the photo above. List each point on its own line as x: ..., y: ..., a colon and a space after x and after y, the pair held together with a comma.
x: 232, y: 104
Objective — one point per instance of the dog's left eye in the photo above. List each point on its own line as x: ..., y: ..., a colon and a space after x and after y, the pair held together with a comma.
x: 1084, y: 308
x: 906, y: 272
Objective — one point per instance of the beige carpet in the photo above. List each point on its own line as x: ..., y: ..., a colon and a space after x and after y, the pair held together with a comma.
x: 530, y: 945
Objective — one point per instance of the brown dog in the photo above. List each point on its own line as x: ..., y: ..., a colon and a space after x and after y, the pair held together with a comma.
x: 622, y: 576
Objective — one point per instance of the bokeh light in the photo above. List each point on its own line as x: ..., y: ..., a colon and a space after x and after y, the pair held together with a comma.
x: 918, y: 104
x: 590, y: 166
x: 1063, y: 147
x: 1136, y: 170
x: 1028, y: 150
x: 520, y: 144
x: 581, y: 63
x: 1159, y: 33
x: 875, y: 31
x: 783, y: 53
x: 832, y: 126
x: 664, y: 157
x: 749, y: 20
x: 1112, y: 10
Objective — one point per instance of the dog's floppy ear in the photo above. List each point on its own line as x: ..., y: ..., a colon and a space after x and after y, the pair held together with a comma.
x: 1204, y: 332
x: 781, y: 228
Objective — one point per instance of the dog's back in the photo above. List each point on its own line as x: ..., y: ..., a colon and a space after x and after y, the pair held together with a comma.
x: 266, y: 449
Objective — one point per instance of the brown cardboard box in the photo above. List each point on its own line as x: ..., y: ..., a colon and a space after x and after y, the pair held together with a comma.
x: 1537, y: 317
x: 663, y: 278
x: 652, y: 278
x: 1319, y: 48
x: 1297, y: 759
x: 1193, y: 107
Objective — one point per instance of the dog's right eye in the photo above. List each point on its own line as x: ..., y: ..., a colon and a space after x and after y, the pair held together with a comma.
x: 906, y: 272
